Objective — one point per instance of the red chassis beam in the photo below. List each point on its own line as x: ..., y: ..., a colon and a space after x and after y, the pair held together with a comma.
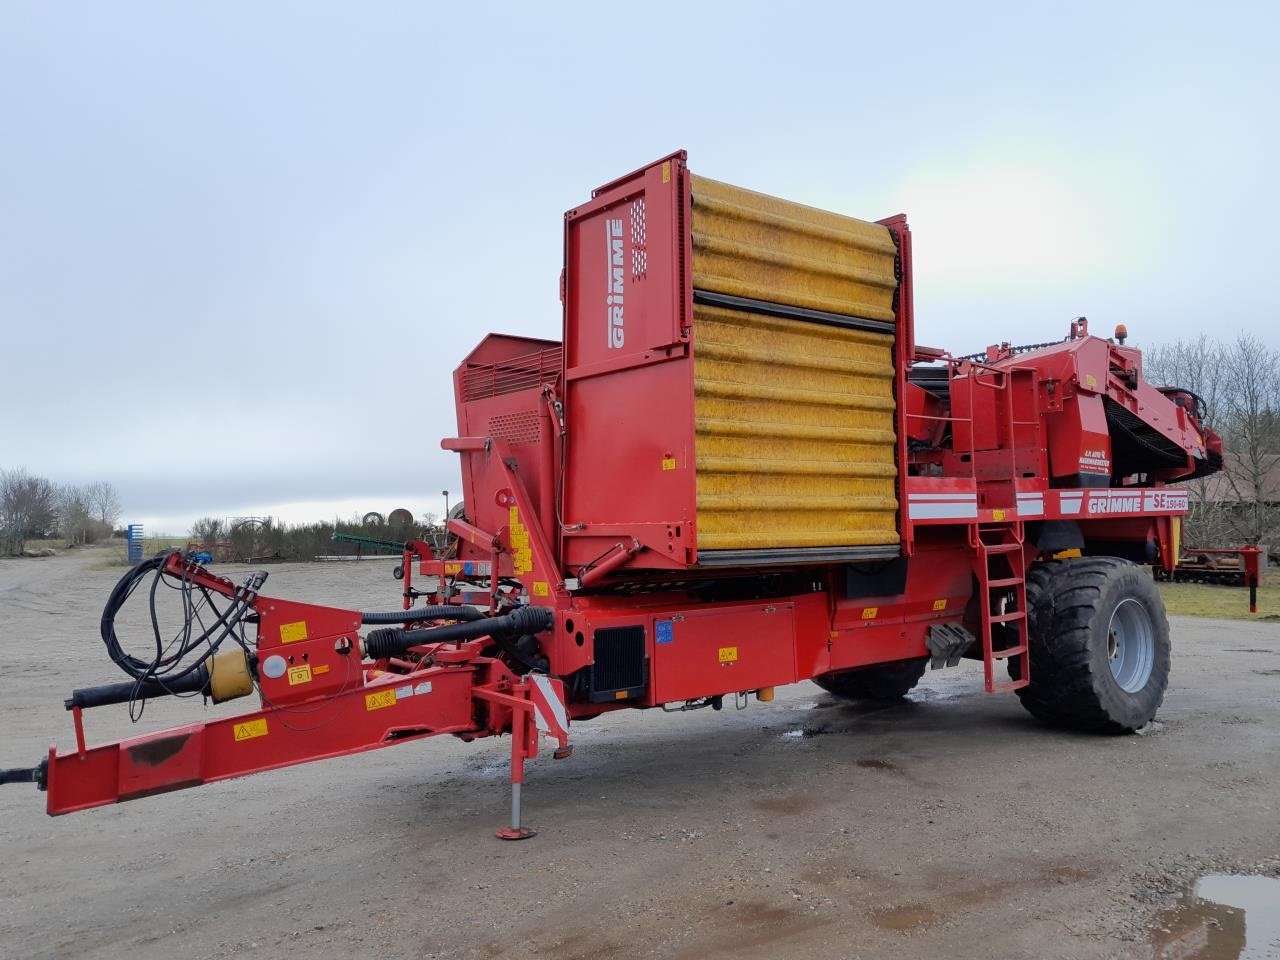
x: 363, y: 718
x: 390, y: 709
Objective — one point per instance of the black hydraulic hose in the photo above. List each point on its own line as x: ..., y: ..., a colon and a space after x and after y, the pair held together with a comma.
x: 390, y: 642
x: 437, y: 612
x: 196, y: 681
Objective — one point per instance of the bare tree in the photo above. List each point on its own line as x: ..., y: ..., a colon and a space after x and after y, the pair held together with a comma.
x: 104, y: 502
x: 26, y: 509
x: 1252, y: 437
x: 208, y: 531
x: 75, y: 522
x: 1239, y: 383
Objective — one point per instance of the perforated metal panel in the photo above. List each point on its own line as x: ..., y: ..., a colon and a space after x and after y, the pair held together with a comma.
x: 516, y: 427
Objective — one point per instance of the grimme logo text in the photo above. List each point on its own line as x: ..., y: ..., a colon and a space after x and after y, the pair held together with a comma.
x: 613, y: 302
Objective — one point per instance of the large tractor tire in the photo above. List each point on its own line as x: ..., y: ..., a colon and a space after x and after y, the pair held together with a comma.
x: 884, y: 681
x: 1099, y: 645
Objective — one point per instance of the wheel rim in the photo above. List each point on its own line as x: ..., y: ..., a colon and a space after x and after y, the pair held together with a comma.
x: 1131, y: 645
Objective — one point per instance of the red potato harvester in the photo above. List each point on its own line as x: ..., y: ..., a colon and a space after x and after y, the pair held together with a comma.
x: 736, y: 470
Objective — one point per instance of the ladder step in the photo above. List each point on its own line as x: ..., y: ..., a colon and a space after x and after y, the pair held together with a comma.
x: 1017, y: 651
x: 1005, y: 582
x: 1009, y: 617
x: 998, y: 548
x: 1008, y: 687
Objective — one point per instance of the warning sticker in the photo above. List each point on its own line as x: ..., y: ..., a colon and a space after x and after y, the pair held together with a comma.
x: 869, y: 613
x: 668, y: 463
x: 521, y: 552
x: 541, y: 588
x: 383, y: 698
x: 940, y: 604
x: 250, y: 729
x: 293, y: 632
x: 728, y: 654
x: 300, y: 674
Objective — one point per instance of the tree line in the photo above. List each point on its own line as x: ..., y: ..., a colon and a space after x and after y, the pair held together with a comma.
x: 1239, y: 382
x: 35, y: 508
x: 268, y: 539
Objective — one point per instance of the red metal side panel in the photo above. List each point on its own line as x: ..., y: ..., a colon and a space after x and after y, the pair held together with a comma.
x: 499, y: 389
x: 629, y: 467
x: 703, y: 652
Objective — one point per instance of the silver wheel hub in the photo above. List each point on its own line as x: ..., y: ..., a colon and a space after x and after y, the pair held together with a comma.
x: 1131, y: 645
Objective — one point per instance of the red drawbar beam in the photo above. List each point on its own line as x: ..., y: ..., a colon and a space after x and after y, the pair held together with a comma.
x: 382, y: 713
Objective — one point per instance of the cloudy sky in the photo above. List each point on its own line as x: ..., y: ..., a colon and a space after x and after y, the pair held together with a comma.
x: 242, y: 245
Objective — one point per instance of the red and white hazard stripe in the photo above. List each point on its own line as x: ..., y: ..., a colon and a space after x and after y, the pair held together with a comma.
x: 549, y: 714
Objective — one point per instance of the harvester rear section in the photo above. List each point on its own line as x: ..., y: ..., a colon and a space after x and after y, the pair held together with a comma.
x: 758, y: 476
x: 735, y: 470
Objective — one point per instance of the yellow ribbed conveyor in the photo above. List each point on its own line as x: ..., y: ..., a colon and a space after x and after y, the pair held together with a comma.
x: 793, y: 395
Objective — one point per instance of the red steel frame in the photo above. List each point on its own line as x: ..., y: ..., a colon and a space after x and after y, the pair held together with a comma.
x: 554, y: 521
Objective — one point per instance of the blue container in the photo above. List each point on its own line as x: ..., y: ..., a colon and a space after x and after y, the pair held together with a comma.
x: 135, y: 542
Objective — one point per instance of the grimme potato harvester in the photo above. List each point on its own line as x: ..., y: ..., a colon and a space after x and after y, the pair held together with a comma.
x: 737, y: 469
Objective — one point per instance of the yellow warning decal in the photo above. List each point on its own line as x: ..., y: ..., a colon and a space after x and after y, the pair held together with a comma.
x: 521, y: 554
x: 668, y: 463
x: 320, y: 668
x: 300, y: 674
x: 293, y: 632
x: 940, y: 604
x: 452, y: 568
x: 997, y: 514
x: 869, y: 613
x: 250, y: 729
x: 541, y: 588
x: 1090, y: 380
x: 383, y: 698
x: 728, y: 654
x: 666, y: 172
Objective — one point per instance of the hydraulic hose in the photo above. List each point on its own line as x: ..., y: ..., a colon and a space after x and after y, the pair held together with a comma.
x: 196, y: 681
x: 390, y: 642
x: 437, y: 612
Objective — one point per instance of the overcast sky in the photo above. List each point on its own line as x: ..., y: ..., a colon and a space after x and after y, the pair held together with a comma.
x: 242, y: 245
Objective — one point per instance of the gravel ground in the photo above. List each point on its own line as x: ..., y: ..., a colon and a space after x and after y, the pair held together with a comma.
x: 950, y: 826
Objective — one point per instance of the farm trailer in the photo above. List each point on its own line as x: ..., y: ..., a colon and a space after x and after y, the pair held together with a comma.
x: 737, y: 469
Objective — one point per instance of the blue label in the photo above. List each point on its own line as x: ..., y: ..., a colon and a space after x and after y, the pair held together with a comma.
x: 468, y: 569
x: 664, y: 631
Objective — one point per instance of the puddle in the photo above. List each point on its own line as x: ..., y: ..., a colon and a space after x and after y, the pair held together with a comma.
x: 1224, y: 917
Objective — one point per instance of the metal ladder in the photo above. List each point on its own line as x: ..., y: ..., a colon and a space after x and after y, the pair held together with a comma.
x: 1001, y: 545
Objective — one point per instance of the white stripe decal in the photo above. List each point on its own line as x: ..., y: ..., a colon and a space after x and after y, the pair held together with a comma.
x: 943, y: 496
x: 943, y: 511
x: 1030, y: 503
